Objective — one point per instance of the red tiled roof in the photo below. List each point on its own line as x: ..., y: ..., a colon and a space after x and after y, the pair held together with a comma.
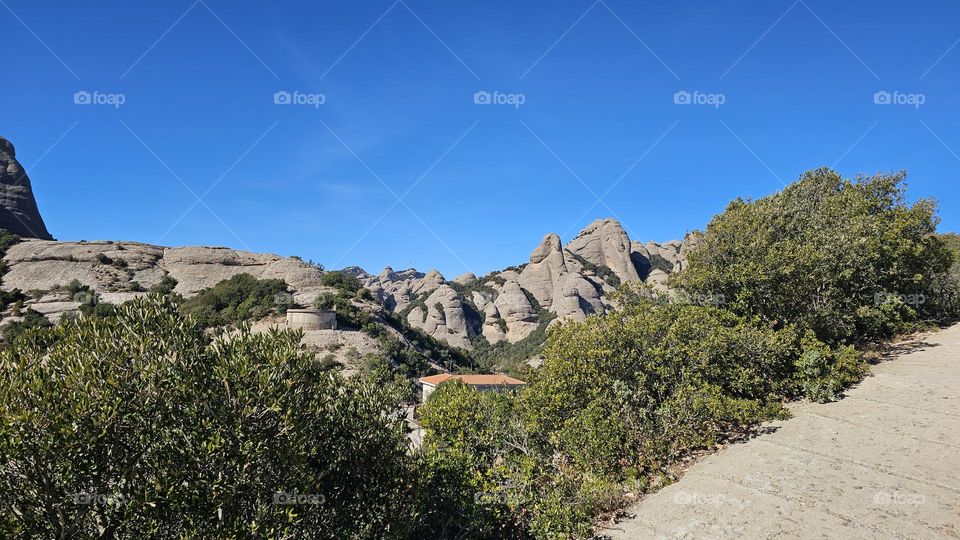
x: 473, y: 380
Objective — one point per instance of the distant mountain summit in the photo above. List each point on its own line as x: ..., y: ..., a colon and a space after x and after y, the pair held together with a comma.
x: 18, y: 208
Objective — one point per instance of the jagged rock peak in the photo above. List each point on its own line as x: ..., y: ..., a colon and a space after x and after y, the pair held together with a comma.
x: 605, y: 243
x: 550, y: 244
x: 18, y: 207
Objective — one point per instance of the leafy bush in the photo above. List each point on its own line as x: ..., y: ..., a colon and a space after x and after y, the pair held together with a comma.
x: 240, y: 298
x: 342, y: 281
x: 827, y: 254
x: 618, y: 400
x: 138, y: 426
x: 165, y: 286
x: 7, y: 239
x: 31, y: 320
x: 11, y: 297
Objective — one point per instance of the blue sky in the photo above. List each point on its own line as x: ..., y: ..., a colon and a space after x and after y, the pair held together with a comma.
x: 399, y: 166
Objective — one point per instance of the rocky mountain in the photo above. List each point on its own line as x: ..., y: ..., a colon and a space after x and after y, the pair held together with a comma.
x: 18, y: 208
x: 510, y: 307
x: 556, y: 283
x: 120, y: 271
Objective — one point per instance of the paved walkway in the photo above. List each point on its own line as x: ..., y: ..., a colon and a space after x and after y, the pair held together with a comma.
x: 882, y: 463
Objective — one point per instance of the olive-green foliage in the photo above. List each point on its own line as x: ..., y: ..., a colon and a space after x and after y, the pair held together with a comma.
x: 507, y: 357
x: 947, y: 286
x: 31, y: 319
x: 341, y: 280
x: 829, y: 254
x: 462, y: 495
x: 792, y: 280
x: 138, y: 426
x: 348, y: 313
x: 657, y: 262
x: 7, y: 239
x: 620, y: 398
x: 240, y: 298
x: 165, y: 286
x: 11, y: 297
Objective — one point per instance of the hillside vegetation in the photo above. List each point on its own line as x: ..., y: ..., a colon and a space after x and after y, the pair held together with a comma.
x: 140, y: 422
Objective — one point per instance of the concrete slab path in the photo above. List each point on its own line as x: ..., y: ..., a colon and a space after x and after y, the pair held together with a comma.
x: 884, y: 462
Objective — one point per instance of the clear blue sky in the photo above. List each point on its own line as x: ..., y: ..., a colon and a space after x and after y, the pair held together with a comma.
x: 598, y: 118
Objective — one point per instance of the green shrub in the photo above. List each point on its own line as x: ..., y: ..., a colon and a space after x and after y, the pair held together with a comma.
x: 137, y: 426
x: 342, y: 281
x: 31, y: 320
x: 821, y: 253
x: 165, y: 286
x: 240, y: 298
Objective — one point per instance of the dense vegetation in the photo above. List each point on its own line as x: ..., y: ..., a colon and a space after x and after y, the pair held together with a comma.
x: 139, y: 426
x: 137, y: 423
x: 794, y: 281
x: 240, y: 298
x: 848, y: 259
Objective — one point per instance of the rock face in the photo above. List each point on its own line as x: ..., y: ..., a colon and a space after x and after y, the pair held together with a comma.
x: 557, y: 283
x: 120, y: 271
x: 18, y: 208
x: 605, y: 243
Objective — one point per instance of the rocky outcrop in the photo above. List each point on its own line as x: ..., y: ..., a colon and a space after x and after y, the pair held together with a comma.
x: 443, y: 317
x: 570, y: 282
x: 516, y: 311
x: 558, y: 282
x: 18, y: 207
x: 542, y: 275
x: 120, y: 271
x: 605, y: 243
